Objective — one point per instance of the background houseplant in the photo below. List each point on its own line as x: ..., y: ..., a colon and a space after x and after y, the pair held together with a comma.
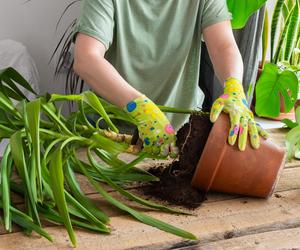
x: 277, y: 87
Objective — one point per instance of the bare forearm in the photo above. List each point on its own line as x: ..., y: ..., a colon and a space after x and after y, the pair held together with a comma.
x: 95, y: 70
x: 223, y: 51
x: 228, y: 62
x: 106, y: 81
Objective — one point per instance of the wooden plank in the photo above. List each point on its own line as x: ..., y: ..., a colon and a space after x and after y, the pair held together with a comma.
x: 288, y: 181
x: 283, y: 239
x: 211, y: 222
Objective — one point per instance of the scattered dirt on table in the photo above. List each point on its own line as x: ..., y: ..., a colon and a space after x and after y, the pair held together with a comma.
x: 277, y: 195
x: 175, y: 180
x: 228, y: 235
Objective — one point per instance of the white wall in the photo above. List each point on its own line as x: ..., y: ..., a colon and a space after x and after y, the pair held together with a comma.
x: 33, y: 24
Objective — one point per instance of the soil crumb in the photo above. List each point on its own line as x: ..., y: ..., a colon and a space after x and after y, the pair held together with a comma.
x: 228, y: 235
x: 174, y: 186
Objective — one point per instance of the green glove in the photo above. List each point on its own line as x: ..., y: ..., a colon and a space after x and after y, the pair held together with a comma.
x: 234, y: 103
x: 154, y: 128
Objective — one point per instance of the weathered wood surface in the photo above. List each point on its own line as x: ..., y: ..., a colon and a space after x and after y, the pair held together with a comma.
x: 282, y: 239
x: 222, y: 222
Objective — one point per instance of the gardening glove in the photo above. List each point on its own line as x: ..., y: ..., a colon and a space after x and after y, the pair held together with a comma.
x: 154, y: 128
x: 234, y: 103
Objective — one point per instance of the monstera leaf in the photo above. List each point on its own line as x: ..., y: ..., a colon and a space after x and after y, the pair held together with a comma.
x: 241, y: 10
x: 271, y: 85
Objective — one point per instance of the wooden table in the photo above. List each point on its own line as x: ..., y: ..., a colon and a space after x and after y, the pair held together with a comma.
x: 222, y: 222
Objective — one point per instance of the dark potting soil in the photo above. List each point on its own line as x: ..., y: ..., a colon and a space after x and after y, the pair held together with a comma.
x: 175, y: 186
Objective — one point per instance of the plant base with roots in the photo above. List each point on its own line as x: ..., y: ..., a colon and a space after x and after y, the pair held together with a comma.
x: 175, y: 180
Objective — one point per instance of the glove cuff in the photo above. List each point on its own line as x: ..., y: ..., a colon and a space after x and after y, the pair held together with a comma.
x: 143, y: 106
x: 233, y: 85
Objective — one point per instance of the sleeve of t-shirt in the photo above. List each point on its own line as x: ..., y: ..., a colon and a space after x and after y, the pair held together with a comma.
x: 214, y: 11
x: 96, y: 20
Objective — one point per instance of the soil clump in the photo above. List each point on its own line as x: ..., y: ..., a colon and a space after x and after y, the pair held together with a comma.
x: 175, y: 186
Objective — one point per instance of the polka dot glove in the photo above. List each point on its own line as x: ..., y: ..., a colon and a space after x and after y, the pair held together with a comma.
x: 234, y: 103
x: 154, y: 128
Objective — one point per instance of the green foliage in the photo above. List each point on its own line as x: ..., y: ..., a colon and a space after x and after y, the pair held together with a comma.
x: 42, y: 151
x: 284, y: 54
x: 242, y: 10
x: 275, y: 22
x: 265, y: 38
x: 271, y: 85
x: 293, y: 138
x: 285, y: 31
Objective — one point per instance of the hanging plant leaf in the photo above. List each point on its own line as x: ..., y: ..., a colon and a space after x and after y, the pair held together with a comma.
x: 271, y: 84
x: 242, y: 10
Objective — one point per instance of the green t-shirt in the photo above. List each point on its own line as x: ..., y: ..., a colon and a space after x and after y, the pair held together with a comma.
x: 155, y: 44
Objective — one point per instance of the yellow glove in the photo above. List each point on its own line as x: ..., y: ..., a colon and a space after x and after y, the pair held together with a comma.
x: 154, y: 128
x: 234, y: 103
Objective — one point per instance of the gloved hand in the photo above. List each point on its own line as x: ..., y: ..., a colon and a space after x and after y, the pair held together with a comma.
x: 234, y: 102
x: 154, y: 128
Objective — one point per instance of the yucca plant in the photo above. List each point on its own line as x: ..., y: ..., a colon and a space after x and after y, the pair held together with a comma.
x: 42, y: 152
x: 279, y: 80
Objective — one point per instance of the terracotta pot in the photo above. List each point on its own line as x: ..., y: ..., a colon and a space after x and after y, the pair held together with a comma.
x: 226, y: 169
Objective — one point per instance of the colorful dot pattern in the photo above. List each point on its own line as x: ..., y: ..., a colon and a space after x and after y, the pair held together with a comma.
x: 154, y: 128
x: 234, y: 102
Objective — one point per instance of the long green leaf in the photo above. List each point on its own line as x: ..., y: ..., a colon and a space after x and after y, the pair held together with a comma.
x: 52, y: 216
x: 285, y: 11
x: 33, y: 116
x: 86, y: 213
x: 11, y: 93
x: 16, y: 77
x: 265, y: 38
x: 5, y: 166
x: 118, y: 177
x: 79, y: 195
x: 26, y: 222
x: 51, y: 114
x: 275, y: 22
x: 57, y: 185
x: 291, y: 38
x: 282, y: 38
x: 17, y: 151
x: 7, y: 105
x: 139, y: 216
x: 5, y: 132
x: 128, y: 194
x: 93, y: 101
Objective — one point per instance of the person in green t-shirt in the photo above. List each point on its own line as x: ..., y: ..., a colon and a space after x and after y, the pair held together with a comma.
x: 136, y: 53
